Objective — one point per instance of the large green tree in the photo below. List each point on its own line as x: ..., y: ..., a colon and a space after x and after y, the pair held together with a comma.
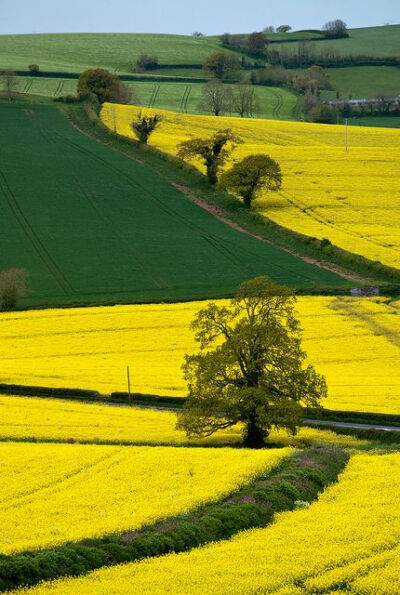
x: 250, y: 369
x: 248, y: 177
x: 213, y: 151
x: 105, y: 85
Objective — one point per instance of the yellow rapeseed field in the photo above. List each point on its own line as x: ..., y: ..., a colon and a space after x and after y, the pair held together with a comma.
x: 354, y: 342
x: 31, y: 418
x: 352, y: 198
x: 346, y: 542
x: 91, y: 490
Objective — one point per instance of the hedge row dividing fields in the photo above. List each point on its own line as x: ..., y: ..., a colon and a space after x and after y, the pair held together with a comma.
x: 91, y: 225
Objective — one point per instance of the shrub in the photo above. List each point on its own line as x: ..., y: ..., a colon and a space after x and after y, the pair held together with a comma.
x: 146, y: 62
x: 34, y: 68
x: 13, y: 285
x: 144, y: 126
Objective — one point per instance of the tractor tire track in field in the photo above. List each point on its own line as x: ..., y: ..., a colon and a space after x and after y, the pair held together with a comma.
x: 34, y: 239
x: 368, y: 320
x: 28, y: 85
x: 59, y: 481
x: 279, y: 104
x: 52, y: 137
x: 309, y: 212
x: 187, y: 99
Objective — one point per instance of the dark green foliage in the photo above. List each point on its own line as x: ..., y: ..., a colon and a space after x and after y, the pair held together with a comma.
x: 146, y: 62
x: 144, y: 126
x: 223, y: 65
x: 251, y: 368
x: 34, y: 68
x: 252, y: 506
x: 336, y: 29
x: 99, y: 82
x: 212, y: 151
x: 324, y: 114
x: 256, y: 44
x: 255, y: 173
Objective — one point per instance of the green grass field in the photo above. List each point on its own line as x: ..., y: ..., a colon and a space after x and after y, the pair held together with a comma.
x: 115, y: 51
x: 364, y: 81
x: 274, y: 103
x: 370, y: 41
x: 91, y: 225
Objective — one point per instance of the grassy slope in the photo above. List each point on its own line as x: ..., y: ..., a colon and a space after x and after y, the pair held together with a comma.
x: 117, y: 52
x: 371, y: 41
x: 91, y: 225
x: 274, y: 103
x: 364, y: 81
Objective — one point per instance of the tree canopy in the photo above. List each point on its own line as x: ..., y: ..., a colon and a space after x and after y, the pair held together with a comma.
x: 105, y: 85
x: 250, y: 369
x: 223, y: 65
x: 249, y: 177
x: 213, y: 151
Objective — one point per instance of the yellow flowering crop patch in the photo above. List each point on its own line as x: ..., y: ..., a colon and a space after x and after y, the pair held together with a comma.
x: 55, y: 419
x: 92, y: 490
x: 354, y: 342
x: 352, y: 198
x: 345, y: 542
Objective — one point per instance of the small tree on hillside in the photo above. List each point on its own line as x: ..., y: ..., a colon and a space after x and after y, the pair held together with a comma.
x: 249, y: 177
x: 34, y: 68
x: 13, y: 285
x: 335, y: 29
x: 146, y: 62
x: 216, y: 97
x: 257, y: 43
x: 212, y: 151
x: 250, y: 369
x: 9, y: 83
x: 244, y: 100
x: 144, y: 126
x: 223, y: 65
x: 283, y: 28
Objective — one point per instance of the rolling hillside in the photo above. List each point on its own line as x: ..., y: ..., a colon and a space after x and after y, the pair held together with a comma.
x: 118, y: 51
x: 74, y: 52
x: 371, y: 41
x: 353, y: 342
x: 273, y: 102
x: 91, y: 225
x: 350, y: 197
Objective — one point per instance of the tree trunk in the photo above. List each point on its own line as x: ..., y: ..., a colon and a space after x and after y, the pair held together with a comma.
x: 247, y: 200
x: 255, y: 435
x: 212, y: 173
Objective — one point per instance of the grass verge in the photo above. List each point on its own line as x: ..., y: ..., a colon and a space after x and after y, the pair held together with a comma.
x: 297, y: 479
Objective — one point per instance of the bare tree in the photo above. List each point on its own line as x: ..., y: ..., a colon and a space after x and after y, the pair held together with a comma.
x: 216, y: 97
x: 9, y: 83
x: 13, y: 285
x: 335, y: 29
x: 244, y: 100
